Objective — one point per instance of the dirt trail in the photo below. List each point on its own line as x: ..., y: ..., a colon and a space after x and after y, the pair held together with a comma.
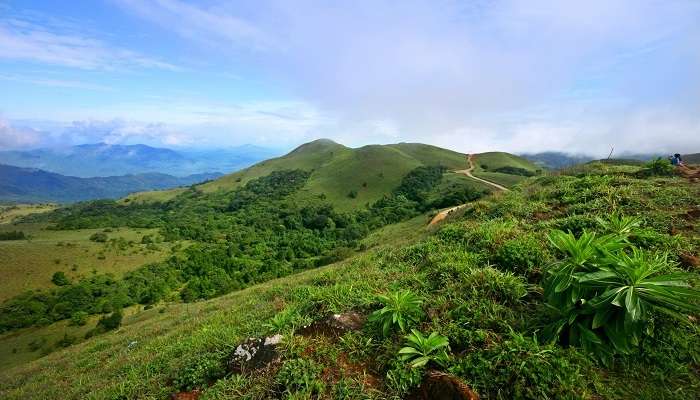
x: 468, y: 172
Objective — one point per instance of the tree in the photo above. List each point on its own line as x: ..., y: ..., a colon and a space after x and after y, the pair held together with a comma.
x: 112, y: 322
x: 60, y: 279
x: 99, y: 237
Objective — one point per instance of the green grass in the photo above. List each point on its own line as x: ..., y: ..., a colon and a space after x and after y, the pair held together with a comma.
x: 506, y: 180
x: 494, y: 160
x: 29, y: 264
x: 10, y: 213
x: 464, y: 273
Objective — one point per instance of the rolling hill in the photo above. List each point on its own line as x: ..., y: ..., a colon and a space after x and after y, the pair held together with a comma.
x: 101, y: 159
x: 370, y: 171
x: 30, y: 185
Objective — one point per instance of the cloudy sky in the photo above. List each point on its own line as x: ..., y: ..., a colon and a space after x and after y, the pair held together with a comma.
x: 472, y: 75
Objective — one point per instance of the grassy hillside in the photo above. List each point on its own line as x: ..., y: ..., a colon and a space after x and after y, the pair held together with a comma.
x: 370, y: 171
x: 482, y: 281
x: 503, y: 168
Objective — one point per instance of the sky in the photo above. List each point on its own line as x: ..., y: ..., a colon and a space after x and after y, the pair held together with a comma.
x: 472, y: 75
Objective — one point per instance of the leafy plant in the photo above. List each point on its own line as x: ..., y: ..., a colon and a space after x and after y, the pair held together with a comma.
x: 619, y: 224
x: 659, y: 166
x: 400, y: 309
x: 604, y: 294
x: 421, y: 350
x: 300, y: 375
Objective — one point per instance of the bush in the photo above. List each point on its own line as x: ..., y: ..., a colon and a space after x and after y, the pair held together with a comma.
x: 60, y: 279
x: 520, y: 255
x: 113, y: 321
x: 99, y: 237
x: 659, y: 167
x: 520, y: 368
x: 513, y: 171
x: 14, y: 235
x: 300, y: 376
x: 352, y: 194
x: 400, y: 310
x: 199, y: 371
x: 79, y: 318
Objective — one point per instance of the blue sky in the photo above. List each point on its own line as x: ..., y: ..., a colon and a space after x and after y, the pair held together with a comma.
x: 477, y: 75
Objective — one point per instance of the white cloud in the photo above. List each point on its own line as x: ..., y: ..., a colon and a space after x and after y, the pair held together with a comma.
x: 27, y: 41
x: 468, y: 74
x: 12, y: 137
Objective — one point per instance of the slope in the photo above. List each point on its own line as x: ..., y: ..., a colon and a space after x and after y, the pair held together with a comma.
x: 479, y: 277
x: 503, y: 168
x: 346, y: 177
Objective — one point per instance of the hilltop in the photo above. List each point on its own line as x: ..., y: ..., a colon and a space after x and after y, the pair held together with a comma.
x: 506, y: 293
x: 369, y: 172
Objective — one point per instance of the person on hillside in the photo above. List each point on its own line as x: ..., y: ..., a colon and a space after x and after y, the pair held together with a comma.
x: 676, y: 160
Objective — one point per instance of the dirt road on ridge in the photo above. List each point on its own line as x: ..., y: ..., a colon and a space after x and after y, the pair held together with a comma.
x: 468, y: 172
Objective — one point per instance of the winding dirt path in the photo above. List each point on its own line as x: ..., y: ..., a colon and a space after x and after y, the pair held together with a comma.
x: 468, y: 172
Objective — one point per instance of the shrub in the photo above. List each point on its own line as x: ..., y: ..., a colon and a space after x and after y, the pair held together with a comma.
x: 421, y: 350
x: 605, y: 295
x: 400, y: 309
x: 659, y: 166
x: 99, y: 237
x: 520, y: 255
x: 14, y: 235
x: 59, y: 278
x: 79, y: 318
x: 300, y: 376
x: 508, y: 169
x: 198, y: 371
x: 352, y: 194
x: 113, y: 321
x: 520, y: 368
x: 490, y: 283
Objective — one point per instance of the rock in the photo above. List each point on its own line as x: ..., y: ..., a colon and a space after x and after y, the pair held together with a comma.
x: 335, y: 325
x: 254, y: 354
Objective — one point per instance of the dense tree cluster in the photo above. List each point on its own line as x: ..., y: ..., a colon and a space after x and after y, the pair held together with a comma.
x: 240, y: 237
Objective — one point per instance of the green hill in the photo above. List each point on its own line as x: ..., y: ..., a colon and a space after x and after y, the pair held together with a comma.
x: 369, y: 172
x: 488, y: 281
x: 503, y: 168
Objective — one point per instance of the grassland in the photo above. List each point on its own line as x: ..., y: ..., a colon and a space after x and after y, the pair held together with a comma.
x: 9, y: 213
x: 30, y: 264
x: 480, y: 278
x: 370, y: 172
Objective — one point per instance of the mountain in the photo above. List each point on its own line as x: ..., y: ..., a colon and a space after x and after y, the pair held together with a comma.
x: 31, y: 185
x: 370, y: 171
x: 101, y: 159
x: 556, y: 159
x: 691, y: 158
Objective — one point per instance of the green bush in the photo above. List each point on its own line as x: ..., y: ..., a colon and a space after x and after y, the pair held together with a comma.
x: 401, y: 309
x: 99, y: 237
x: 490, y: 283
x: 520, y: 368
x: 111, y: 322
x: 300, y: 376
x: 13, y: 235
x: 659, y: 167
x: 521, y: 255
x: 79, y: 318
x: 198, y: 371
x: 59, y: 278
x: 421, y: 350
x: 606, y: 292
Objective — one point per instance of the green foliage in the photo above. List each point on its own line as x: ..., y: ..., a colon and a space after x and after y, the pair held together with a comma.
x: 59, y: 278
x: 300, y: 376
x: 520, y: 368
x: 99, y: 237
x: 521, y: 254
x: 605, y: 292
x: 421, y: 350
x: 198, y: 371
x: 111, y: 322
x: 79, y: 318
x: 507, y: 169
x: 659, y: 167
x: 12, y: 235
x: 288, y: 319
x: 401, y: 309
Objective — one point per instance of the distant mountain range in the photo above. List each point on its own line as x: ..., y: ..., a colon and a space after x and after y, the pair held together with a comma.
x: 31, y: 185
x: 101, y: 159
x: 557, y: 160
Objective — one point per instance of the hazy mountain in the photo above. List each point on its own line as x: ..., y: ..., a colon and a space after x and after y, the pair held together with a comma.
x: 91, y: 160
x: 556, y: 159
x: 35, y: 185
